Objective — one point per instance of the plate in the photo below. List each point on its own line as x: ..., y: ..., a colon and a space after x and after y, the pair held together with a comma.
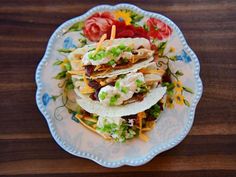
x: 173, y: 125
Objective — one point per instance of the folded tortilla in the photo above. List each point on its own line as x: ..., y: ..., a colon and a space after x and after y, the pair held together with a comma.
x: 135, y: 42
x: 100, y: 109
x: 127, y: 41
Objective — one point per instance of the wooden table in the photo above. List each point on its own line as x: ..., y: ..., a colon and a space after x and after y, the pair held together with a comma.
x: 26, y: 146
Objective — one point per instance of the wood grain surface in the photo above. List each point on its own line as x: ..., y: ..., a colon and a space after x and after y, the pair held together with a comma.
x: 26, y: 146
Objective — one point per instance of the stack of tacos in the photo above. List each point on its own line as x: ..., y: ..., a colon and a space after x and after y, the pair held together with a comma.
x: 118, y: 87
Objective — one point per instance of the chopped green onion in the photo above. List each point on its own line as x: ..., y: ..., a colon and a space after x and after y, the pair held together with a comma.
x: 103, y: 95
x: 112, y: 62
x: 114, y: 99
x: 117, y: 84
x: 116, y: 51
x: 124, y: 90
x: 139, y: 83
x: 143, y: 89
x: 122, y: 47
x: 120, y: 132
x: 113, y: 52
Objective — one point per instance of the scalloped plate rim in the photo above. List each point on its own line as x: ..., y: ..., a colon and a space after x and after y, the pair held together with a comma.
x: 154, y: 151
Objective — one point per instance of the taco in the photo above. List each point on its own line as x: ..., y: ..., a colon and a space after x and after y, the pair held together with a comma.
x: 120, y: 95
x: 111, y: 58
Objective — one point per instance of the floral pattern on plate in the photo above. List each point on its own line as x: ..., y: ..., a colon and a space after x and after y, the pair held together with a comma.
x: 130, y: 21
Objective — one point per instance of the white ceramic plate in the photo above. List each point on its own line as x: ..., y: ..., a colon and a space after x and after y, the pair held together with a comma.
x: 171, y: 128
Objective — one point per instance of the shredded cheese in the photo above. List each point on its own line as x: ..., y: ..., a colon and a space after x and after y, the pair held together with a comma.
x: 78, y: 116
x: 94, y: 126
x: 106, y: 71
x: 100, y: 74
x: 135, y: 59
x: 146, y: 129
x: 152, y: 71
x: 78, y: 56
x: 132, y: 59
x: 90, y: 119
x: 102, y: 83
x: 65, y: 60
x: 150, y: 84
x: 79, y: 72
x: 76, y: 61
x: 85, y: 80
x: 162, y: 101
x: 141, y: 115
x: 143, y: 137
x: 113, y: 32
x: 93, y: 129
x: 150, y: 124
x: 97, y: 67
x: 103, y: 38
x: 86, y: 89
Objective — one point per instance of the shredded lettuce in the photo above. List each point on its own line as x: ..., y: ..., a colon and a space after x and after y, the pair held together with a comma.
x: 120, y: 133
x: 142, y: 87
x: 139, y: 83
x: 155, y: 111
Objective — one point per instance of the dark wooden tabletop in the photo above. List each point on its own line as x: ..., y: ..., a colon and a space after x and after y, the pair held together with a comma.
x: 26, y: 146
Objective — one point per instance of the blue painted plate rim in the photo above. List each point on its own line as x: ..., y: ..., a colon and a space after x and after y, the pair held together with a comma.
x: 154, y: 151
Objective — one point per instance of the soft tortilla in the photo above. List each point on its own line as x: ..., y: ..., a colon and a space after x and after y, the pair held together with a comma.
x: 96, y: 107
x: 117, y: 72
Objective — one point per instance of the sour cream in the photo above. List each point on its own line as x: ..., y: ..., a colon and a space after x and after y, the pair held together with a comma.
x: 130, y: 81
x: 133, y: 43
x: 123, y: 90
x: 107, y: 93
x: 87, y: 61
